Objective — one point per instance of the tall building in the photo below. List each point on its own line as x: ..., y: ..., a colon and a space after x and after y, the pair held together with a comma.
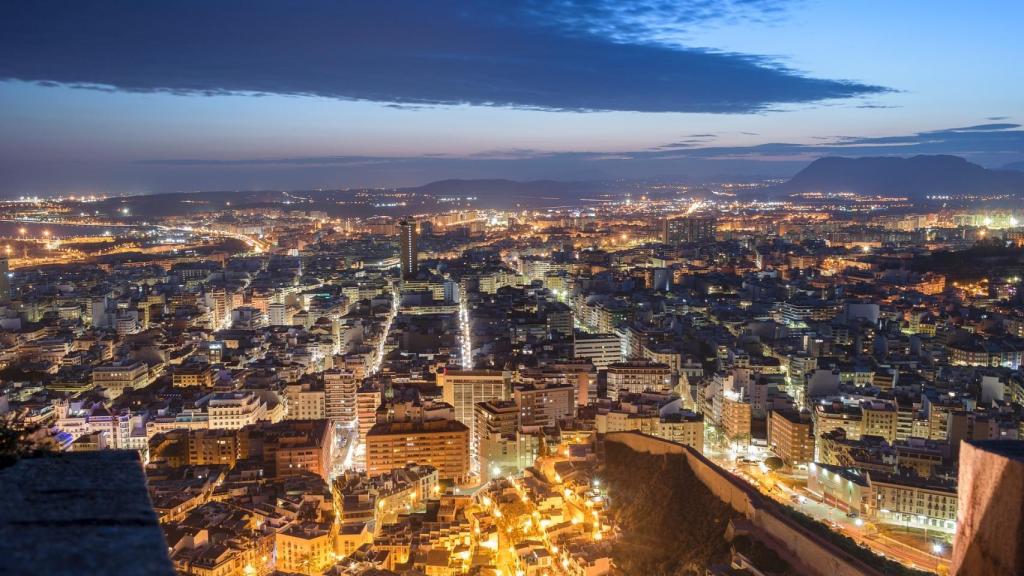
x: 5, y: 281
x: 368, y: 398
x: 791, y: 436
x: 464, y: 388
x: 494, y: 435
x: 278, y: 314
x: 409, y: 252
x: 340, y: 394
x: 736, y: 419
x: 543, y: 406
x: 689, y: 229
x: 501, y: 445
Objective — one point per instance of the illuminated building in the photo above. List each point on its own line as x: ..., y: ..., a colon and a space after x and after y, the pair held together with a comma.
x: 305, y: 401
x: 443, y: 444
x: 464, y: 388
x: 637, y: 376
x: 736, y: 419
x: 117, y: 378
x: 305, y: 548
x: 879, y: 418
x: 5, y: 281
x: 233, y: 410
x: 544, y: 406
x: 340, y: 387
x: 408, y: 249
x: 791, y: 436
x: 688, y: 229
x: 601, y: 349
x: 494, y: 436
x: 194, y: 375
x: 367, y: 401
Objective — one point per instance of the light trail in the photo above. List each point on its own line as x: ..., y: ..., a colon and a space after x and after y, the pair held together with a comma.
x: 466, y: 359
x: 379, y: 357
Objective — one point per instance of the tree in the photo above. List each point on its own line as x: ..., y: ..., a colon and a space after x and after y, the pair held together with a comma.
x: 21, y: 440
x: 774, y: 463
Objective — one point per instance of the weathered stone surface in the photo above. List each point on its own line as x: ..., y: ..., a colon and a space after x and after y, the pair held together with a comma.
x: 990, y: 515
x: 79, y: 513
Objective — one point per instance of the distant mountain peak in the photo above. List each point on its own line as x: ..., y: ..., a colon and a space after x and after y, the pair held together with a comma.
x: 913, y: 177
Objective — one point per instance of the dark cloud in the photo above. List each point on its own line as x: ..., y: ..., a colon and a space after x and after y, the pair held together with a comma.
x: 645, y: 21
x: 988, y: 144
x: 564, y: 55
x: 985, y: 127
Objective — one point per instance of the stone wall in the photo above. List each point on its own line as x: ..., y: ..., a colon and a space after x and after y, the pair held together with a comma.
x: 990, y: 515
x: 818, y: 556
x: 79, y: 513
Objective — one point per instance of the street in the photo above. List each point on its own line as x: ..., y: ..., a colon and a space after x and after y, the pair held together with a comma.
x: 790, y: 490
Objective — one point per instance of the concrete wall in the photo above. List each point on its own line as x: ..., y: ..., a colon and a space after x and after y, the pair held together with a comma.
x: 817, y: 555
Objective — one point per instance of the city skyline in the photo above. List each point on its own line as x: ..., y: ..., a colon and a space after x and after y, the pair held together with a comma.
x: 511, y: 288
x: 117, y: 99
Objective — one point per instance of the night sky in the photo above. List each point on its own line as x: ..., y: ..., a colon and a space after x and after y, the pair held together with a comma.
x: 135, y: 97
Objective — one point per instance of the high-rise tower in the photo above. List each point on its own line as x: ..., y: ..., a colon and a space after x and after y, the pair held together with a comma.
x: 5, y: 282
x: 408, y: 234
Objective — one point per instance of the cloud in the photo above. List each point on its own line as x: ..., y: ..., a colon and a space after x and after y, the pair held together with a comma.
x: 579, y: 56
x: 986, y: 143
x: 658, y: 21
x: 994, y: 142
x: 986, y: 127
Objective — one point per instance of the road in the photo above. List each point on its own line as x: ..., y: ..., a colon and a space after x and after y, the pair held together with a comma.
x: 345, y: 440
x: 788, y: 491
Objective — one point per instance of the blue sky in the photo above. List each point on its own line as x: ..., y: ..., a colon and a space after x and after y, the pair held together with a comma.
x: 119, y: 96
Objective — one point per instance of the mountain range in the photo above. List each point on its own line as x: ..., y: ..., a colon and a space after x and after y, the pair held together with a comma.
x: 914, y: 177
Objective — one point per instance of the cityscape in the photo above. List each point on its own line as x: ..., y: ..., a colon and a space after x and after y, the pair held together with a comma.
x: 714, y: 357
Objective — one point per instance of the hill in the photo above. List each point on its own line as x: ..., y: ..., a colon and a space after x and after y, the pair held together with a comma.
x: 914, y: 177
